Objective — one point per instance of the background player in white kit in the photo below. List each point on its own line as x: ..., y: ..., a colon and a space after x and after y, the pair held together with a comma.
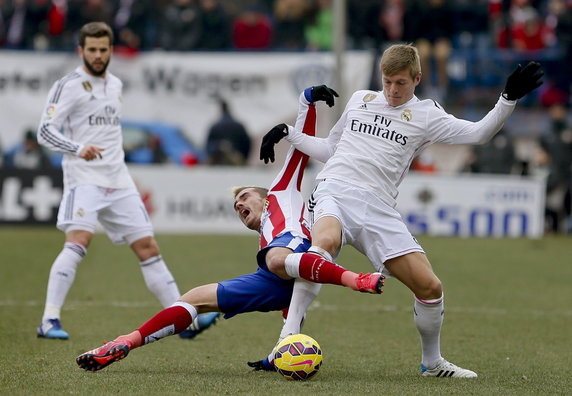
x: 82, y: 120
x: 368, y: 152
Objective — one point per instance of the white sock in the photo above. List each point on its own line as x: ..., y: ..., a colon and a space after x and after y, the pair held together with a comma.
x: 303, y: 294
x: 322, y: 252
x: 62, y: 275
x: 160, y: 281
x: 428, y: 315
x: 292, y: 264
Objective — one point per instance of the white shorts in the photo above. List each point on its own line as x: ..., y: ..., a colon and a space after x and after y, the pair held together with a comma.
x: 368, y: 224
x: 120, y: 211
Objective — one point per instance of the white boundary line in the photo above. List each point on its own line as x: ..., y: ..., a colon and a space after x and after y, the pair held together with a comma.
x: 316, y: 305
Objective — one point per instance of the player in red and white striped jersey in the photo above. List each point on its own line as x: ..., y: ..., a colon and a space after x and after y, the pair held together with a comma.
x: 278, y: 214
x: 367, y: 154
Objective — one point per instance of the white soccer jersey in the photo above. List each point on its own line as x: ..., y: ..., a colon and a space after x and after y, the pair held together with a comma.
x: 83, y: 109
x: 372, y: 144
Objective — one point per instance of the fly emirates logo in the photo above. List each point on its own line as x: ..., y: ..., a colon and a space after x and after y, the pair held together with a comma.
x: 381, y: 127
x: 108, y: 118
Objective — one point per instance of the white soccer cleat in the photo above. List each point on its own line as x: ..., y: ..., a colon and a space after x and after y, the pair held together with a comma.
x: 447, y: 369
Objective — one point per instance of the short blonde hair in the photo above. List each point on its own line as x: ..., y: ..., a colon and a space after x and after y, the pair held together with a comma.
x: 400, y: 57
x: 237, y: 190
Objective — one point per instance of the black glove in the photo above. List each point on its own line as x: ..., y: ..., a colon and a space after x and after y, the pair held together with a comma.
x: 260, y: 366
x: 269, y: 140
x: 522, y: 81
x: 322, y: 92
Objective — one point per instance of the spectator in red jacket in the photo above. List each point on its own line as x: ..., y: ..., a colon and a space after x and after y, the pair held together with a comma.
x: 252, y: 29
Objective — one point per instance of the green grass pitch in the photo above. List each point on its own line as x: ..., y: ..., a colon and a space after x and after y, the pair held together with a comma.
x: 508, y: 317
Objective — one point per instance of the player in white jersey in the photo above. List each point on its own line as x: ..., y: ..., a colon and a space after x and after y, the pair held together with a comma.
x: 278, y: 215
x: 82, y: 120
x: 368, y: 152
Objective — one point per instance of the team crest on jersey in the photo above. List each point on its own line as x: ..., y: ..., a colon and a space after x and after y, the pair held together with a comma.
x: 265, y: 205
x: 80, y: 212
x: 369, y: 97
x: 87, y: 86
x: 406, y: 115
x: 50, y: 111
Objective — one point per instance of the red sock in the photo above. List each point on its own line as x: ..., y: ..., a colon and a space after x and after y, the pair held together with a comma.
x: 315, y: 268
x: 169, y: 321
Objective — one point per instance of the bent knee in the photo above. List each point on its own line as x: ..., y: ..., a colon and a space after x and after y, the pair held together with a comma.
x: 431, y: 290
x: 146, y: 248
x: 275, y: 263
x: 329, y: 243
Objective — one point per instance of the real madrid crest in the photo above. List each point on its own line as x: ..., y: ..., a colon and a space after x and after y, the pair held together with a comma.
x: 406, y: 115
x: 87, y: 86
x: 369, y: 97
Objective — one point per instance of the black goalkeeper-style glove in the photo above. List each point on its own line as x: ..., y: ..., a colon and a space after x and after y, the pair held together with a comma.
x: 322, y: 92
x: 522, y: 81
x: 272, y: 137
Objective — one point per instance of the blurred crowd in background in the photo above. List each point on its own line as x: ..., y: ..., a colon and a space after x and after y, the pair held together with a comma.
x: 186, y: 25
x: 443, y: 30
x: 481, y: 32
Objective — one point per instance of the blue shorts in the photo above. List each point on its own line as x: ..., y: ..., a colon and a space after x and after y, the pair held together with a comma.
x: 260, y: 291
x: 295, y: 243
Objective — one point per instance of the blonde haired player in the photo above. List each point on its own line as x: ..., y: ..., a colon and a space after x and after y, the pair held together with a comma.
x: 368, y: 153
x: 278, y: 214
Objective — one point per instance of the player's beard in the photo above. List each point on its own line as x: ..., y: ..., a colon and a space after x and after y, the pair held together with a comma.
x: 93, y: 71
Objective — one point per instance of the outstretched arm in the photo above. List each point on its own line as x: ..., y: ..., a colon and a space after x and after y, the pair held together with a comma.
x: 448, y: 129
x: 317, y: 148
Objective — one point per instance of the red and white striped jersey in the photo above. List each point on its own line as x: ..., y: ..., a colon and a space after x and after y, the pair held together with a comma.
x: 284, y: 207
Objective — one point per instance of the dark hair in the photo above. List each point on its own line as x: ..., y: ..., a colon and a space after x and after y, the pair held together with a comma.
x: 95, y: 29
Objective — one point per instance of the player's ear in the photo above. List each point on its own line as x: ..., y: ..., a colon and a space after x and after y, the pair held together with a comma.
x: 417, y: 78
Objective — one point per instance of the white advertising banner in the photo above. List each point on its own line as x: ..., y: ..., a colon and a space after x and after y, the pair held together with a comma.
x: 198, y: 200
x: 180, y: 88
x: 473, y: 205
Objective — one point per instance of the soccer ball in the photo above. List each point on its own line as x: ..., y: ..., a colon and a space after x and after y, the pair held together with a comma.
x: 298, y: 357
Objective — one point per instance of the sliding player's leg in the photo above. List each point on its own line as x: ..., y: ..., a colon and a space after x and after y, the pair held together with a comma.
x: 260, y: 291
x: 313, y: 266
x: 169, y: 321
